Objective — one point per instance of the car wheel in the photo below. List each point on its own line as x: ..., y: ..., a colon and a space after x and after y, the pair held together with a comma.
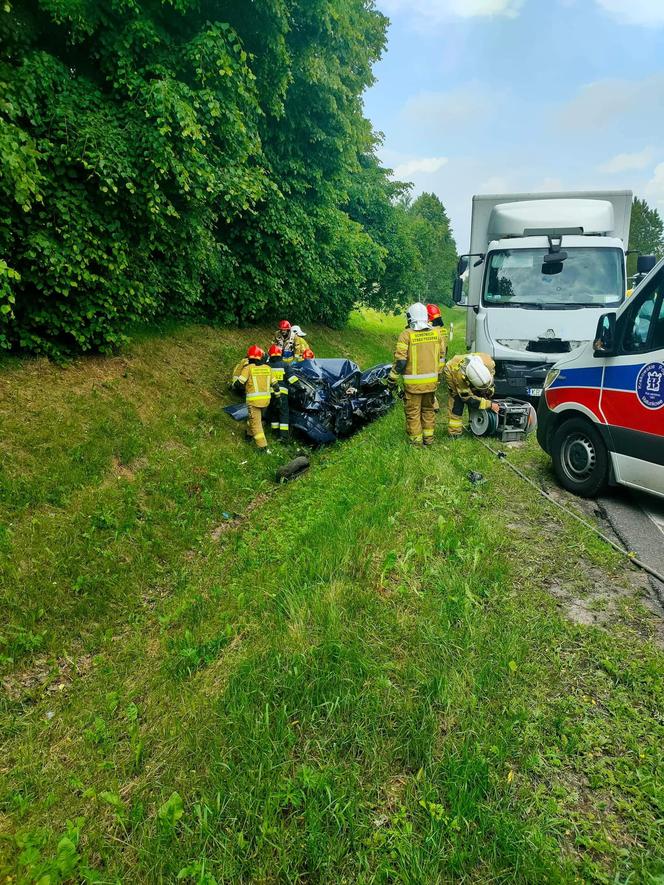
x: 580, y: 458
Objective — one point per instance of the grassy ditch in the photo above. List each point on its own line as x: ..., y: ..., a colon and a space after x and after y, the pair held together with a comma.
x: 367, y: 679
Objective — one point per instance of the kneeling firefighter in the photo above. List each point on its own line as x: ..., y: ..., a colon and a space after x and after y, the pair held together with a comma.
x: 279, y: 407
x: 469, y: 379
x: 417, y: 361
x: 256, y: 379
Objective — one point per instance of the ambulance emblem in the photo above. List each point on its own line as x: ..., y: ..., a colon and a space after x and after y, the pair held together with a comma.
x: 650, y: 385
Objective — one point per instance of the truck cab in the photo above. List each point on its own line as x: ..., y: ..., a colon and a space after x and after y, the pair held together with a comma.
x: 601, y: 416
x: 542, y: 269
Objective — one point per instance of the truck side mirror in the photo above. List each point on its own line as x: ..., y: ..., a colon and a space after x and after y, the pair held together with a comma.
x: 645, y: 263
x: 605, y: 336
x: 462, y: 265
x: 457, y: 291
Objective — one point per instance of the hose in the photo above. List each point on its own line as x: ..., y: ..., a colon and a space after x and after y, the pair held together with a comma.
x: 631, y: 556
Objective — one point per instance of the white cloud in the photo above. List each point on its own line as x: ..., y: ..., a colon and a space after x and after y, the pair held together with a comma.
x: 628, y: 162
x: 600, y: 104
x: 422, y: 166
x: 635, y: 12
x: 439, y: 112
x: 437, y: 11
x: 654, y: 190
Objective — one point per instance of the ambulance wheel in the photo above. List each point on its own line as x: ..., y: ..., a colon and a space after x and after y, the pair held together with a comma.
x: 580, y: 459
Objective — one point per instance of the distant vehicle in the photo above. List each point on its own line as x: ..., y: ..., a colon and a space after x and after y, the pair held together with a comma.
x: 601, y: 417
x: 332, y: 398
x: 542, y: 269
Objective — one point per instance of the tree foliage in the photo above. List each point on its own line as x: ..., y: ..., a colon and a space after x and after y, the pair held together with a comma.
x: 201, y: 158
x: 646, y: 235
x: 437, y: 248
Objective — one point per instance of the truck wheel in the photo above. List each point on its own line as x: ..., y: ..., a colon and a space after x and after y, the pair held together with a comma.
x: 580, y: 458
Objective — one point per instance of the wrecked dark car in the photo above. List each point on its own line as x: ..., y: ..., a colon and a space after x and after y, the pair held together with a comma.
x: 332, y: 398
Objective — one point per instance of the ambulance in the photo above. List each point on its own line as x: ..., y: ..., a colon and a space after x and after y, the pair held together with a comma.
x: 601, y: 415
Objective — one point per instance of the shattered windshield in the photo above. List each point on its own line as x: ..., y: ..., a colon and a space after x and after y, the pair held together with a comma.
x: 589, y: 277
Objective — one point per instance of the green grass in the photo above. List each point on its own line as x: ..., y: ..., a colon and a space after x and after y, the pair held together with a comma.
x: 365, y: 680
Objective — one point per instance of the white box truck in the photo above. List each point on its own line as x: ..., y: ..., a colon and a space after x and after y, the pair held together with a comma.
x: 542, y: 269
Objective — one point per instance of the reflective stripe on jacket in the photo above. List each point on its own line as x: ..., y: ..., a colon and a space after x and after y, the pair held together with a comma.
x: 279, y: 381
x: 442, y: 334
x: 417, y: 360
x: 257, y: 380
x: 457, y: 383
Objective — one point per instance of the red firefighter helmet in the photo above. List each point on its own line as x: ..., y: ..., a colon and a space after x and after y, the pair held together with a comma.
x: 308, y: 354
x: 433, y: 312
x: 275, y: 350
x: 255, y: 352
x: 284, y: 326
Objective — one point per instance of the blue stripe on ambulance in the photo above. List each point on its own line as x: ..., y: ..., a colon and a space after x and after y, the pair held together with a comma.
x: 586, y: 377
x: 622, y: 377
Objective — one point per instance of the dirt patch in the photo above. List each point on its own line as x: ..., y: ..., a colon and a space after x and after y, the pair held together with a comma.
x: 585, y: 594
x: 49, y: 676
x: 126, y: 471
x: 595, y: 601
x: 234, y: 520
x: 391, y: 798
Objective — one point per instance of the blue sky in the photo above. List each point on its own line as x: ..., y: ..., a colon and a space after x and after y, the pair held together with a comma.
x: 487, y: 96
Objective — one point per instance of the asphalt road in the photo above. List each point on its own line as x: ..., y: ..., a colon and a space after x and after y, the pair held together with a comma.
x: 638, y: 520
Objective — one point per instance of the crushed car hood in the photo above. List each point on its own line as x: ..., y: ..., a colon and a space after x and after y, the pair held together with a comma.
x: 334, y: 398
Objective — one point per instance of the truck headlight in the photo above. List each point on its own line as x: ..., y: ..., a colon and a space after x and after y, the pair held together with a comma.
x: 551, y: 376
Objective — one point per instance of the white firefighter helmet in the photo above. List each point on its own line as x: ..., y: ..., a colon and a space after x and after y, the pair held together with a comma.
x: 417, y: 315
x: 479, y: 377
x: 297, y: 330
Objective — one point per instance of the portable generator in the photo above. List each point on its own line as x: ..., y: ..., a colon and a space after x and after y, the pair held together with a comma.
x: 513, y: 423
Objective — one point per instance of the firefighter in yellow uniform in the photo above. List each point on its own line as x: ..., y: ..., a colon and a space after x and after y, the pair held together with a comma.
x: 256, y: 378
x: 281, y: 388
x: 469, y: 379
x: 291, y: 340
x: 417, y: 361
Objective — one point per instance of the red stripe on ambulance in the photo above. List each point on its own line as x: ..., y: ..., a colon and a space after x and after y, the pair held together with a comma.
x: 569, y: 396
x: 623, y: 409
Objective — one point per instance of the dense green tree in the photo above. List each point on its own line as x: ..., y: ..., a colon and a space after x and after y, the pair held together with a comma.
x: 201, y: 158
x: 433, y: 235
x: 646, y: 234
x: 376, y: 201
x: 130, y: 134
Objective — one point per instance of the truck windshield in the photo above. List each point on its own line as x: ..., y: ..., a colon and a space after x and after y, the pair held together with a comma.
x: 590, y: 277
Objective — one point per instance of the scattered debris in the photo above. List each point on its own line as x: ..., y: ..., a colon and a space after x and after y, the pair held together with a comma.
x: 476, y: 478
x: 293, y: 469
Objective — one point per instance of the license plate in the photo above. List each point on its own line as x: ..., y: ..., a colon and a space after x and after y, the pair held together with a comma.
x: 534, y: 391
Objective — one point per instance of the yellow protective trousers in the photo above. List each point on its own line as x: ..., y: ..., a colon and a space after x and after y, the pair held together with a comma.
x: 454, y: 415
x: 255, y: 425
x: 420, y: 416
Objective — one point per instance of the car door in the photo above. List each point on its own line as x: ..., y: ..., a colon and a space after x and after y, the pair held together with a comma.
x: 632, y: 398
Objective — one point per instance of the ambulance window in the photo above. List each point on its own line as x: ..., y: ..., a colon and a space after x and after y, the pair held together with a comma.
x: 641, y: 323
x: 657, y: 342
